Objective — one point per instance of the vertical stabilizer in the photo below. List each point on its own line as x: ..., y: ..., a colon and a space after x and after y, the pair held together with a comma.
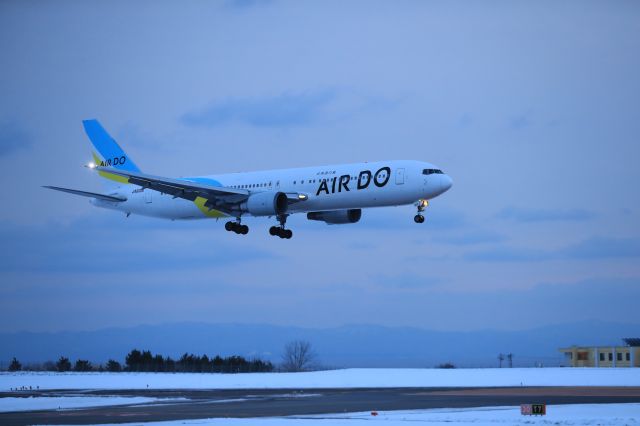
x: 107, y: 153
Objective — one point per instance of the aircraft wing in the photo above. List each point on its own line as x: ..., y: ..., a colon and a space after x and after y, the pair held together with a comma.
x: 217, y: 197
x: 180, y: 188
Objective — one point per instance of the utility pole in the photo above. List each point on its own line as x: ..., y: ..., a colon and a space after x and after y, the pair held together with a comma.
x: 500, y: 358
x: 510, y: 358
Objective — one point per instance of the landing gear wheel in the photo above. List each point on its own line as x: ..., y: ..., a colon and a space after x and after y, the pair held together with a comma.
x: 418, y: 218
x: 236, y: 227
x: 280, y: 231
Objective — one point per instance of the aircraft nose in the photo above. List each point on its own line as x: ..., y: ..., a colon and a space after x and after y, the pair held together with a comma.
x: 445, y: 183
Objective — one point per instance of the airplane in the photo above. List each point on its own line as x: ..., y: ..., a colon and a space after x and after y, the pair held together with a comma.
x: 334, y: 194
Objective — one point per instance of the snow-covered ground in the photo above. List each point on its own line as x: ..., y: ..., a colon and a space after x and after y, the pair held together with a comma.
x: 355, y: 377
x: 68, y: 402
x: 587, y: 414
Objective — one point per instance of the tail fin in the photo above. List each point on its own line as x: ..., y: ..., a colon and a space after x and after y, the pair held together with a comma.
x: 106, y: 152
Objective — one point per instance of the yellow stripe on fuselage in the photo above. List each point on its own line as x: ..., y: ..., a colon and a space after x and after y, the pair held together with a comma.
x: 199, y: 201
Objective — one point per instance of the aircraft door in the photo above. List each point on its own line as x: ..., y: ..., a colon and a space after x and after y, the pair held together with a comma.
x: 147, y: 197
x: 399, y: 176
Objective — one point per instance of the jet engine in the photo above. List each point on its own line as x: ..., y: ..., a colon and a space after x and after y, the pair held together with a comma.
x: 266, y: 204
x: 337, y: 216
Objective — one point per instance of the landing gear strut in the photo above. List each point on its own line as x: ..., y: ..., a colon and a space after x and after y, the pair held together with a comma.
x: 279, y: 230
x: 421, y: 205
x: 236, y: 227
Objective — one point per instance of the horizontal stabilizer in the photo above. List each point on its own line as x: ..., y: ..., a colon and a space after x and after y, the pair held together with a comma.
x: 89, y: 194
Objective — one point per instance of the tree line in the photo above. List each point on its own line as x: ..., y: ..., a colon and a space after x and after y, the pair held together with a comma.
x: 190, y: 363
x: 298, y: 355
x: 145, y: 361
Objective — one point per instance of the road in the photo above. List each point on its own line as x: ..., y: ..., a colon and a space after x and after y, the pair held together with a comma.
x: 286, y: 402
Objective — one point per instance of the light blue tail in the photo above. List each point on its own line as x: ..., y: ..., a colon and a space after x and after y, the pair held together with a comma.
x: 106, y: 151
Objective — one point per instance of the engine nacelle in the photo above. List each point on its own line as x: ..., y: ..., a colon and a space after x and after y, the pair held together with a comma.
x: 266, y: 204
x: 336, y: 217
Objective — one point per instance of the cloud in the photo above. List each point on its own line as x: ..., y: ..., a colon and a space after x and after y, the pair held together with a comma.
x: 519, y: 122
x: 109, y: 244
x: 465, y: 121
x: 546, y: 303
x: 286, y: 110
x: 407, y: 281
x: 509, y: 254
x: 437, y: 219
x: 590, y: 249
x: 12, y: 138
x: 471, y: 238
x: 526, y: 215
x: 603, y: 248
x: 245, y: 4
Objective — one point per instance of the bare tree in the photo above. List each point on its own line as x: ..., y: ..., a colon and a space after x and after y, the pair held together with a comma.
x: 298, y: 356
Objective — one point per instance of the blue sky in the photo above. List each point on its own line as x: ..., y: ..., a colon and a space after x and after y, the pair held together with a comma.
x: 531, y: 107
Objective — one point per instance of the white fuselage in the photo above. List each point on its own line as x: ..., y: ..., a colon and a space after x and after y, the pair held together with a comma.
x: 346, y: 186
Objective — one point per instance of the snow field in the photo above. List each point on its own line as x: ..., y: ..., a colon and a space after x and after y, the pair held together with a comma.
x: 347, y: 378
x: 9, y: 404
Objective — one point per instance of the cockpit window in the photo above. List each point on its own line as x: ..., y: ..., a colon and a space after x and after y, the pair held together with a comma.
x: 432, y: 171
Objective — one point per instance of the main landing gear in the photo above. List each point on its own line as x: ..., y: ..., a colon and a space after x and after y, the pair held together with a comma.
x: 236, y: 227
x: 421, y: 205
x: 279, y: 230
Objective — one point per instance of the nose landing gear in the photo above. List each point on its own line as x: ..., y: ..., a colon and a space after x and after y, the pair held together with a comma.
x: 421, y: 205
x: 236, y: 227
x: 279, y: 230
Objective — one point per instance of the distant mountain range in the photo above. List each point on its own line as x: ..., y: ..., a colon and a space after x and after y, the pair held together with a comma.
x: 346, y: 346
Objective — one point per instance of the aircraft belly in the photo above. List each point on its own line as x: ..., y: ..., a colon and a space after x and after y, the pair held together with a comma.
x: 354, y: 199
